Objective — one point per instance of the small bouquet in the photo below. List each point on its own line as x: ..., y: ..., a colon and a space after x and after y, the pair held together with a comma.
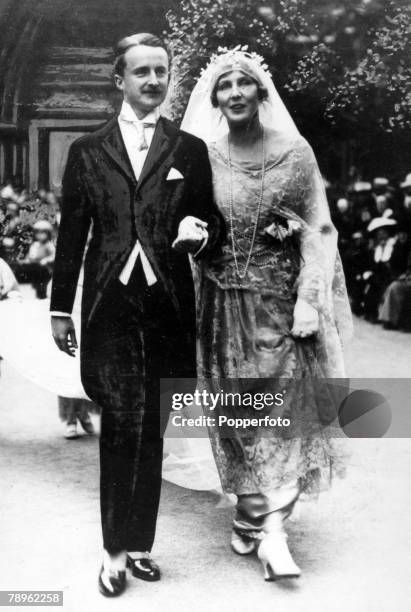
x: 280, y: 230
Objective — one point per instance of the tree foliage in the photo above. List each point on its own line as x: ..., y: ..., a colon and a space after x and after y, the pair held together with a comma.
x: 341, y: 66
x: 367, y: 88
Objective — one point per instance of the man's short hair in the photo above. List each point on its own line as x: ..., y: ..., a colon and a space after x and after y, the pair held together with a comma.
x: 135, y: 40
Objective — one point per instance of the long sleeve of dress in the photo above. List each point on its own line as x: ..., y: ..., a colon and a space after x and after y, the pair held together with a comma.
x: 318, y: 236
x: 321, y: 280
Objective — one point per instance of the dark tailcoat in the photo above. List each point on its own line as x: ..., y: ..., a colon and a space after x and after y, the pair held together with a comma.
x: 99, y: 187
x: 128, y: 342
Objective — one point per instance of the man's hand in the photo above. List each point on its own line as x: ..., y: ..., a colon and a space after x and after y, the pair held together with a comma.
x: 191, y: 233
x: 305, y: 320
x: 64, y: 334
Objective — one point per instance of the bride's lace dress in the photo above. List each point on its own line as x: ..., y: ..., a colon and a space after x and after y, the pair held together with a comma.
x: 244, y: 325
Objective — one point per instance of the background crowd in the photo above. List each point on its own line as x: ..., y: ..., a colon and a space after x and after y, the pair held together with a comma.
x: 373, y: 220
x: 28, y: 228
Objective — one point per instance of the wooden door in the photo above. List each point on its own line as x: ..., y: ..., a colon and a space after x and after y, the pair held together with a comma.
x: 59, y: 145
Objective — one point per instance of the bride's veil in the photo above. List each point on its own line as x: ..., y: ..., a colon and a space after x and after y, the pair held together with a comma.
x: 207, y: 122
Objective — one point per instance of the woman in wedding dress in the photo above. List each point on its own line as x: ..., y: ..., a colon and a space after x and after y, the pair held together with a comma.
x: 272, y: 305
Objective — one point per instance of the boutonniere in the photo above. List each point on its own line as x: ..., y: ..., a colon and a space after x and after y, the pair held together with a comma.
x: 281, y: 231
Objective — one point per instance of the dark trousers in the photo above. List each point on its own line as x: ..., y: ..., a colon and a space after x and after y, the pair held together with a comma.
x: 130, y: 479
x: 127, y: 351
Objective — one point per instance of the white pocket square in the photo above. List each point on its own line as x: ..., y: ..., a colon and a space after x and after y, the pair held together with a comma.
x: 174, y: 174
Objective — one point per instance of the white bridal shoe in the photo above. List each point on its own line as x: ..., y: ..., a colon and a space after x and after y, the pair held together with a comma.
x: 276, y: 558
x: 242, y: 545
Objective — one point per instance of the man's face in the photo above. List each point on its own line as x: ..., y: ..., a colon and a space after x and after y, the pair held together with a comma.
x: 145, y: 80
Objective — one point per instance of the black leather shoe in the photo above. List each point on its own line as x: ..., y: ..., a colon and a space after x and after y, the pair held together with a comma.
x: 118, y: 582
x: 144, y: 568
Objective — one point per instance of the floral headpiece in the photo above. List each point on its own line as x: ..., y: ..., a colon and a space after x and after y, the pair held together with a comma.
x: 238, y: 58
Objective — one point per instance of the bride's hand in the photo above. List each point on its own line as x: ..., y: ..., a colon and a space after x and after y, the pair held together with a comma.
x: 305, y: 320
x: 191, y: 234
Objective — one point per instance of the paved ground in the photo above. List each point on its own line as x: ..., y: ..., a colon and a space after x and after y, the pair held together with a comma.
x: 354, y: 545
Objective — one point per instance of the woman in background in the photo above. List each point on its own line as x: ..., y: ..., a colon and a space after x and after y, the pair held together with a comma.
x: 380, y: 273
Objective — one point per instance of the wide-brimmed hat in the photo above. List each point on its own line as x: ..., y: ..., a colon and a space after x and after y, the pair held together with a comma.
x: 379, y: 222
x: 42, y: 226
x: 380, y: 181
x: 361, y: 186
x: 8, y: 241
x: 407, y: 182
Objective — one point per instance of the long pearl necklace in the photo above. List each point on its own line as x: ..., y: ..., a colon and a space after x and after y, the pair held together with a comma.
x: 243, y: 274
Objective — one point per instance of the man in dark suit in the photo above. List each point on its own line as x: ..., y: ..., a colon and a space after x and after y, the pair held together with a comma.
x: 144, y: 188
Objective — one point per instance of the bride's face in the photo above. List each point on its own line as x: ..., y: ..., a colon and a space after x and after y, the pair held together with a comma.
x: 237, y: 97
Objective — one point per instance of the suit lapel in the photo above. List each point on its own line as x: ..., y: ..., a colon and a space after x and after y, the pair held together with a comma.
x: 113, y: 144
x: 161, y: 146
